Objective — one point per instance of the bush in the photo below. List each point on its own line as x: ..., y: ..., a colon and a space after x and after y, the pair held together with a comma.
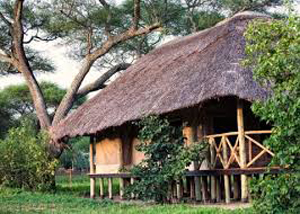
x: 24, y: 160
x: 273, y: 50
x: 166, y: 158
x: 280, y: 194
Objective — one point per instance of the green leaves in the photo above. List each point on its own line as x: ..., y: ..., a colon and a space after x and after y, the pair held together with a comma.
x: 274, y: 55
x: 166, y: 158
x: 24, y: 160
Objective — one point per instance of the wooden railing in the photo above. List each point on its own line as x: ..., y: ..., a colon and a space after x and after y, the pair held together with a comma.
x: 219, y: 144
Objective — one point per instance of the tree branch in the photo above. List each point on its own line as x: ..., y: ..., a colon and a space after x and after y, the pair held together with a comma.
x: 22, y: 64
x: 100, y: 82
x: 136, y: 14
x: 5, y: 20
x: 69, y: 98
x: 108, y: 19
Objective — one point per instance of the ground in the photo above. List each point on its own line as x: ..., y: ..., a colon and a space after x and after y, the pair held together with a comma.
x: 72, y: 198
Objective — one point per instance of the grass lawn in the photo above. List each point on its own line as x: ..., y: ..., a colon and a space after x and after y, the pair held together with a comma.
x: 69, y: 199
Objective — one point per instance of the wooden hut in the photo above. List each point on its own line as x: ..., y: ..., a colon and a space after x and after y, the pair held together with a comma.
x: 196, y: 80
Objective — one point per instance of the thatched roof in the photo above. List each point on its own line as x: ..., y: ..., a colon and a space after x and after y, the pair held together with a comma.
x: 179, y: 74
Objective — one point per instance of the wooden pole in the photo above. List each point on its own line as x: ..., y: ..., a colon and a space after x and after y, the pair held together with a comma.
x: 110, y: 188
x: 213, y: 178
x: 242, y: 149
x: 101, y: 187
x: 178, y: 190
x: 236, y: 187
x: 192, y: 188
x: 226, y: 177
x: 132, y: 182
x: 218, y: 190
x: 92, y: 167
x: 121, y: 181
x: 204, y: 189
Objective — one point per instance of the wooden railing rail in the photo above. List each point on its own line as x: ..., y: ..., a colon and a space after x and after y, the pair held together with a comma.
x: 221, y: 142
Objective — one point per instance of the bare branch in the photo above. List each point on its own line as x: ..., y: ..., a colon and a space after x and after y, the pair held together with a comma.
x: 5, y: 57
x: 88, y: 61
x: 136, y: 14
x: 100, y: 82
x: 5, y: 20
x: 89, y: 41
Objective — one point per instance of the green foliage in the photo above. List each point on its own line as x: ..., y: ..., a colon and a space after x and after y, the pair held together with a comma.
x: 166, y: 158
x: 235, y: 6
x: 24, y: 160
x: 276, y: 194
x: 16, y: 103
x: 273, y: 52
x: 77, y: 157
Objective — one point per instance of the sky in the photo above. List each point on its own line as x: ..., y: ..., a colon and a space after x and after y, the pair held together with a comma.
x: 66, y: 67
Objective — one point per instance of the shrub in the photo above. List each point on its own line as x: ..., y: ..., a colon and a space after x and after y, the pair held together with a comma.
x: 24, y: 160
x: 166, y: 158
x: 274, y: 53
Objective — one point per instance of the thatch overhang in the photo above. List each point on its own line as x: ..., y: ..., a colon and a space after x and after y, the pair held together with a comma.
x: 180, y: 74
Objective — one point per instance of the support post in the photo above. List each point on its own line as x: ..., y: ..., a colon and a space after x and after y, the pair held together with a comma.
x: 204, y: 189
x: 242, y: 150
x: 92, y: 166
x: 178, y: 190
x: 226, y: 177
x: 192, y: 188
x: 213, y: 178
x: 236, y: 187
x: 121, y: 184
x: 132, y: 182
x: 218, y: 190
x: 110, y: 188
x: 101, y: 187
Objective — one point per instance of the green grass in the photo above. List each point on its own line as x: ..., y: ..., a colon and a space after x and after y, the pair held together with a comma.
x: 69, y: 200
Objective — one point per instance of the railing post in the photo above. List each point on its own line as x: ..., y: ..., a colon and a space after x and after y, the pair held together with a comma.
x: 92, y: 166
x: 213, y: 178
x: 242, y: 149
x: 226, y: 177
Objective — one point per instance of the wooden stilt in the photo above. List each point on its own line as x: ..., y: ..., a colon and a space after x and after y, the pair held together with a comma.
x: 226, y: 177
x: 218, y: 190
x: 92, y: 167
x: 192, y: 188
x: 236, y: 187
x: 110, y: 188
x: 204, y: 189
x: 121, y: 183
x: 242, y: 150
x: 101, y: 187
x: 213, y: 178
x: 178, y: 190
x: 132, y: 182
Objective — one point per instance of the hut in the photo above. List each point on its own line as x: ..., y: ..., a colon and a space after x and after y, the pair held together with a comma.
x: 196, y: 80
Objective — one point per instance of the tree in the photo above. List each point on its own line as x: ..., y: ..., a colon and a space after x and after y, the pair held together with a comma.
x: 16, y: 103
x: 273, y: 49
x: 94, y: 29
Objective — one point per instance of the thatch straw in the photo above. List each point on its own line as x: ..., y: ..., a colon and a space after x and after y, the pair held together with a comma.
x: 179, y: 74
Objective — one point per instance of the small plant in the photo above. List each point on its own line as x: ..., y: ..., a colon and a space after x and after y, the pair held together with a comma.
x: 166, y: 158
x: 24, y: 160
